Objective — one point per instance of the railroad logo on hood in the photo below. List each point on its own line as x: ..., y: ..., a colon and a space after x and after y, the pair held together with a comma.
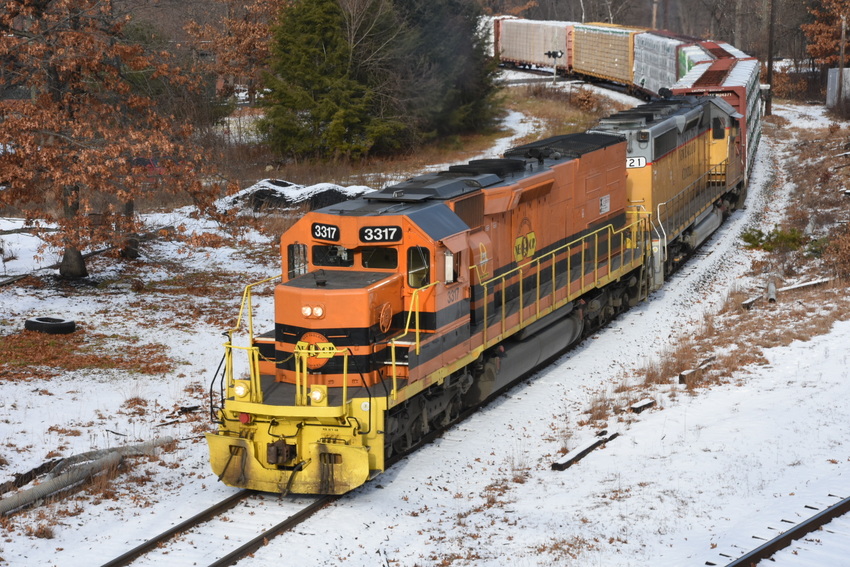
x: 317, y: 348
x: 525, y: 244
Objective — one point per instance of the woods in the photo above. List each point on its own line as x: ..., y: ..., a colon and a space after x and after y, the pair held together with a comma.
x: 105, y: 102
x: 90, y: 103
x: 350, y: 78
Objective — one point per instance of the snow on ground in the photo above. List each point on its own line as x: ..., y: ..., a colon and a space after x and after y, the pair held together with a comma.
x: 697, y: 471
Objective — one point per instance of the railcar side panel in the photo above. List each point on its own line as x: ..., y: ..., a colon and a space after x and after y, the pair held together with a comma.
x: 605, y: 51
x: 525, y: 42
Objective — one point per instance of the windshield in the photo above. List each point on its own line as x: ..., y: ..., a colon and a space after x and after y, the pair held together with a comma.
x: 371, y: 257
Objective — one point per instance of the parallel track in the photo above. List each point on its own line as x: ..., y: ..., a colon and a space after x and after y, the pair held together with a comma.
x: 786, y: 538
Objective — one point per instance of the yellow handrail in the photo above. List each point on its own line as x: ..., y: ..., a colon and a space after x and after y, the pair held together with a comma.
x: 253, y: 353
x: 301, y: 356
x: 628, y: 235
x: 246, y: 301
x: 412, y: 312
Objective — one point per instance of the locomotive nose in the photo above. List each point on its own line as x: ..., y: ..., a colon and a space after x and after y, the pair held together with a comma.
x: 325, y: 315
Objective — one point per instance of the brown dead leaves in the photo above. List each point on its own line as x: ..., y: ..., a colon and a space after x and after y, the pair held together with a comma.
x: 29, y: 355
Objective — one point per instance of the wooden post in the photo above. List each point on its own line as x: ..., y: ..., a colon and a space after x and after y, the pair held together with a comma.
x: 768, y: 104
x: 841, y: 107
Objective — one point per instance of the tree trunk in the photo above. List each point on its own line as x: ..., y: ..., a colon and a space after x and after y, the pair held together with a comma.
x: 73, y: 265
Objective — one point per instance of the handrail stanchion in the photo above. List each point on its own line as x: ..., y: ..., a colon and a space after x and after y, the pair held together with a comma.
x: 521, y: 296
x: 395, y: 374
x: 345, y: 354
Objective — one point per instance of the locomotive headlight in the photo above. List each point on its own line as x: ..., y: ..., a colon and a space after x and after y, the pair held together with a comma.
x: 241, y: 388
x: 319, y: 395
x: 313, y: 311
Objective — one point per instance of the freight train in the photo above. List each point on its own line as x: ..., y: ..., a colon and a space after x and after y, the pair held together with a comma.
x: 644, y: 61
x: 401, y: 309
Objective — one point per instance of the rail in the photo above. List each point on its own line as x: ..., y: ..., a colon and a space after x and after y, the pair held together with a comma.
x: 785, y: 539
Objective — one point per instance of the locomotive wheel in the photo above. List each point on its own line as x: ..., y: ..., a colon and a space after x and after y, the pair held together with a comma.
x: 50, y: 325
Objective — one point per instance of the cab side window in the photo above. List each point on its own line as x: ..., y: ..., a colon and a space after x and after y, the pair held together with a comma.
x: 296, y: 260
x: 418, y: 267
x: 718, y: 129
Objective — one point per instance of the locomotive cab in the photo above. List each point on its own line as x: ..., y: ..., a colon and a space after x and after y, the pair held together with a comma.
x: 351, y: 285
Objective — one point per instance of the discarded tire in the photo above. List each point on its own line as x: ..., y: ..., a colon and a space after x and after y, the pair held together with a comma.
x: 50, y: 325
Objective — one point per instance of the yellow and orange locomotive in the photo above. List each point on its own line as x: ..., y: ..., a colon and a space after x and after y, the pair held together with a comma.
x: 398, y: 310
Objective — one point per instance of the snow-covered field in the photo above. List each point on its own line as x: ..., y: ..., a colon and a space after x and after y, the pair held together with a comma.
x: 691, y: 477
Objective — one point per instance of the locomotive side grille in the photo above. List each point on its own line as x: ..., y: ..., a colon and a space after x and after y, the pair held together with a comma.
x: 471, y: 210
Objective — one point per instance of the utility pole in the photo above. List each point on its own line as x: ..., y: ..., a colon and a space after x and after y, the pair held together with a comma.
x: 841, y: 106
x: 768, y: 104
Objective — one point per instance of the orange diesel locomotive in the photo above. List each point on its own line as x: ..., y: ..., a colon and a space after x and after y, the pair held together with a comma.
x: 400, y: 309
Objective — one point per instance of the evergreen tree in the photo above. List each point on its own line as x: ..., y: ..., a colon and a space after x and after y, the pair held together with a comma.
x: 317, y: 106
x: 354, y: 77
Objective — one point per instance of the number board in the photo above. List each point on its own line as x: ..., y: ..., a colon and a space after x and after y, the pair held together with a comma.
x: 325, y: 232
x: 380, y: 234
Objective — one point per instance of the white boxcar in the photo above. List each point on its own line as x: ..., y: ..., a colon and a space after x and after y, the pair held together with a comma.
x: 525, y: 42
x: 661, y: 60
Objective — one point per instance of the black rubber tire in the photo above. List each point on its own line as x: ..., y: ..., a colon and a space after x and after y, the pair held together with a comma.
x: 50, y: 325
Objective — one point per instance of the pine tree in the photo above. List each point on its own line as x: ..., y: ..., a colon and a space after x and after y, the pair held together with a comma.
x: 358, y: 77
x: 316, y: 106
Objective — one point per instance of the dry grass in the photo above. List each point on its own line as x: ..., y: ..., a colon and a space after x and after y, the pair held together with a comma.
x: 29, y: 355
x: 565, y: 549
x: 738, y: 338
x: 560, y: 110
x: 600, y: 410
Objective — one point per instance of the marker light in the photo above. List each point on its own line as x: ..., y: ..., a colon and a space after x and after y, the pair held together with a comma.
x: 241, y: 388
x: 319, y: 395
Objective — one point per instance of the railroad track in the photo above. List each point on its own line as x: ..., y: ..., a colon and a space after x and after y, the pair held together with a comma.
x: 238, y: 516
x: 797, y: 544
